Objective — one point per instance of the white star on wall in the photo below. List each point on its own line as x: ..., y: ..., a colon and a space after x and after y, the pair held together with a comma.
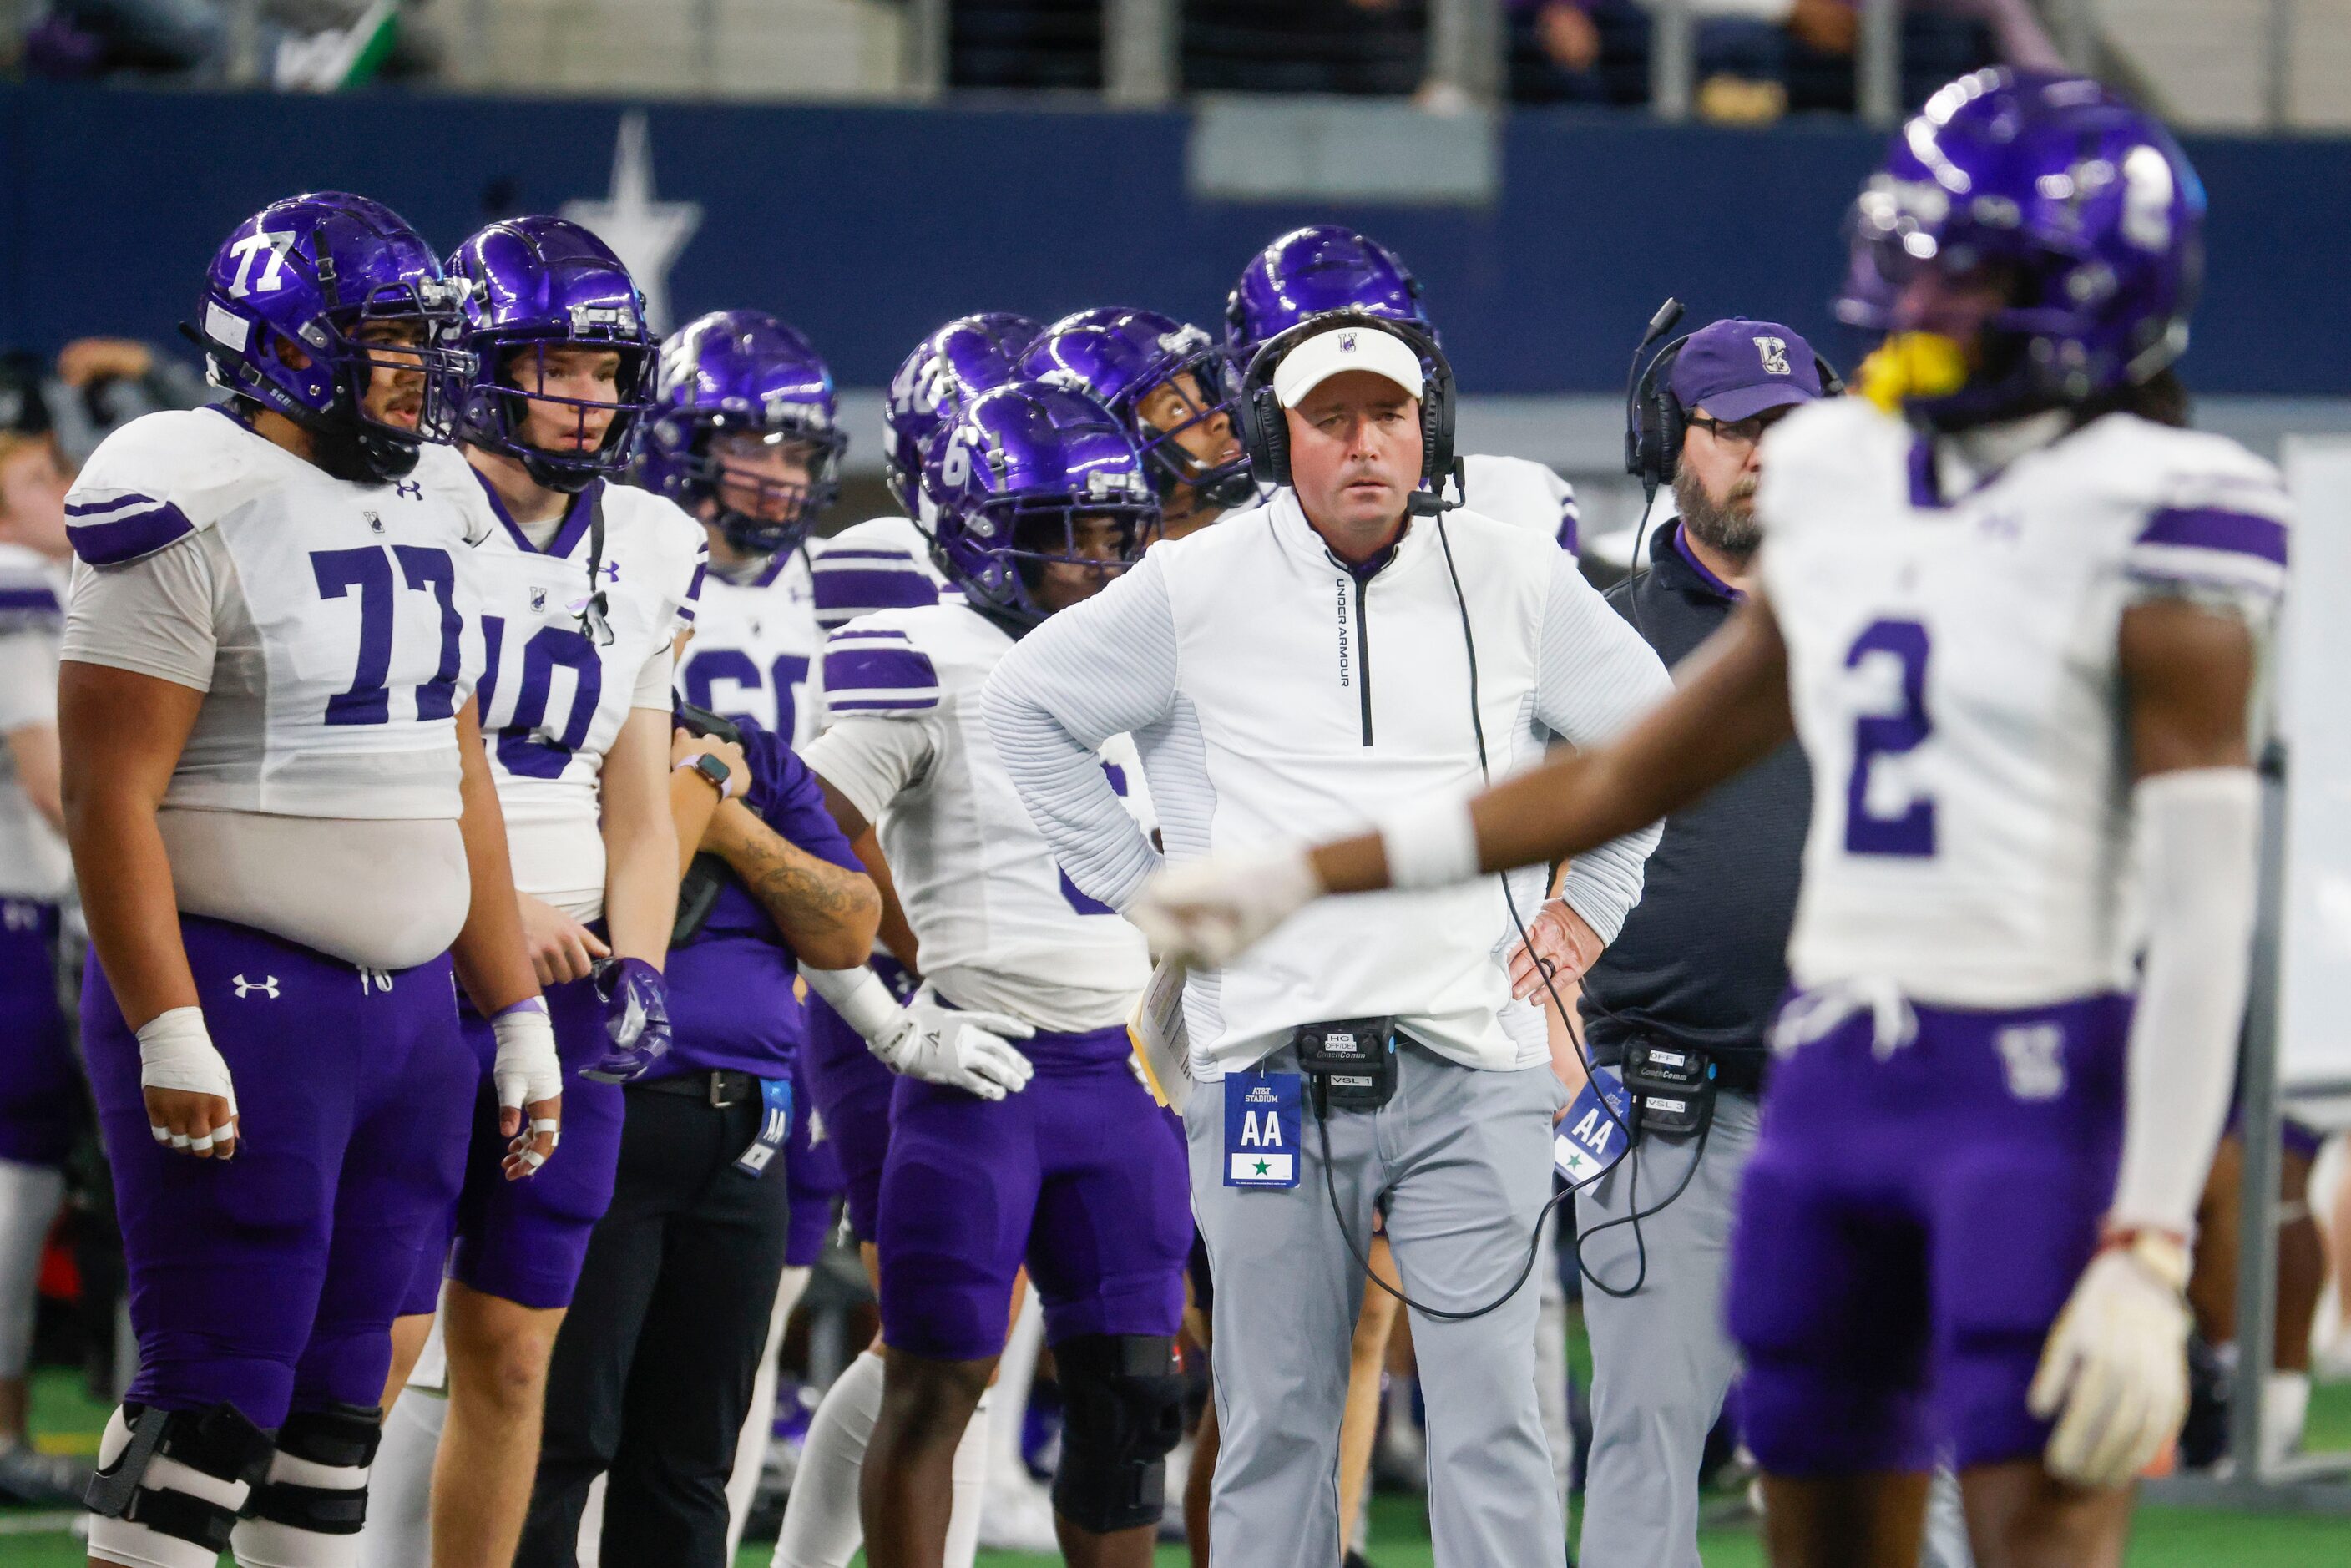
x: 646, y: 233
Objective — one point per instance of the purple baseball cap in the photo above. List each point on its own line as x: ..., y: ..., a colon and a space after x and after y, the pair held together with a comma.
x: 1738, y: 369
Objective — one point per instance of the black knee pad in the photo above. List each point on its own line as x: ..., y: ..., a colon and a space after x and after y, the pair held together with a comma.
x: 342, y: 1438
x: 1122, y: 1410
x: 219, y: 1442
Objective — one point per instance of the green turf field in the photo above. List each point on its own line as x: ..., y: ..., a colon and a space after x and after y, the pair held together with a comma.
x: 67, y: 1420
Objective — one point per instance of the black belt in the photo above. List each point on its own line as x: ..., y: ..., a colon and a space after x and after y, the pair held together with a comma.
x: 716, y: 1089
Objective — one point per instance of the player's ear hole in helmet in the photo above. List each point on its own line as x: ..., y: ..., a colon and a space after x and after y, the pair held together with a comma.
x: 330, y: 310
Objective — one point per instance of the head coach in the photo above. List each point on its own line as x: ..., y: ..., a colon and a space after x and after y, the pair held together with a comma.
x: 1307, y: 666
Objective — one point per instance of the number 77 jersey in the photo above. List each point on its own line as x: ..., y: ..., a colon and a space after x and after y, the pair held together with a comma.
x: 1953, y: 668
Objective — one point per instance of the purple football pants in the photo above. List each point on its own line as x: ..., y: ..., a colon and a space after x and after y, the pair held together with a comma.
x: 270, y: 1280
x: 1080, y: 1175
x: 850, y: 1090
x: 524, y: 1240
x: 813, y: 1173
x: 1910, y: 1228
x: 39, y: 1082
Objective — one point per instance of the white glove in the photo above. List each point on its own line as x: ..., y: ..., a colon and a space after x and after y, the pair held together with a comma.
x: 2116, y: 1365
x: 175, y: 1051
x: 1205, y: 914
x: 965, y: 1050
x: 525, y: 1070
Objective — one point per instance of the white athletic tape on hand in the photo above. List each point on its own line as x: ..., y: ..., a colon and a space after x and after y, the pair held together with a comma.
x: 534, y: 1159
x: 175, y: 1051
x: 526, y: 1068
x: 1429, y: 843
x: 202, y: 1141
x: 163, y: 1134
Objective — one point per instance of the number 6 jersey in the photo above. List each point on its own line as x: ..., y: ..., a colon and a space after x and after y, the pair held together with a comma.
x: 555, y: 691
x: 1953, y: 669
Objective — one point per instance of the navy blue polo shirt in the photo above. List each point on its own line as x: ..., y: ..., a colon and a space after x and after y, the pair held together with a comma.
x: 1702, y: 960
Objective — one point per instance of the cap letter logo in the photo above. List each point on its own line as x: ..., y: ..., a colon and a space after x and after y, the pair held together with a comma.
x: 1346, y: 342
x: 1775, y: 356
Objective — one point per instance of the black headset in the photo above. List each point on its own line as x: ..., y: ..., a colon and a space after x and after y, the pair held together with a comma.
x: 1654, y: 420
x: 1266, y: 433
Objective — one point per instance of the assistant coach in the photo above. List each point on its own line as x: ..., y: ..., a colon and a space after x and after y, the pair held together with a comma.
x: 1300, y: 670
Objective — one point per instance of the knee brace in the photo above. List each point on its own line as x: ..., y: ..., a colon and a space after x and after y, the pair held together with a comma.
x: 308, y: 1510
x: 170, y: 1484
x: 1122, y: 1410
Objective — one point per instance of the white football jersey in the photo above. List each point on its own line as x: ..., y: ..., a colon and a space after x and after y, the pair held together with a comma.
x: 755, y: 648
x: 1521, y: 491
x: 339, y: 610
x: 882, y: 563
x: 33, y: 860
x: 553, y: 697
x: 1000, y: 924
x: 1952, y: 664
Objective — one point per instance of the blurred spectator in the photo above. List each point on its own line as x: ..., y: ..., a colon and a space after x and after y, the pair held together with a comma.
x: 1373, y: 47
x: 1757, y: 59
x: 300, y: 46
x: 94, y: 385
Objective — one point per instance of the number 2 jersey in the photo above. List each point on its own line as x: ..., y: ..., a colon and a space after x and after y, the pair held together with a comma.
x: 555, y: 690
x: 1953, y: 668
x: 1001, y: 927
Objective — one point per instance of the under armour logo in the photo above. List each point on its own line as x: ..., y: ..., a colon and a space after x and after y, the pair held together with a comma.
x: 412, y: 490
x: 266, y: 985
x: 1775, y: 356
x: 375, y: 523
x: 611, y: 571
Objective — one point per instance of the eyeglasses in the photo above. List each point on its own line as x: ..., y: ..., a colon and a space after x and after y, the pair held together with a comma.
x: 1734, y: 433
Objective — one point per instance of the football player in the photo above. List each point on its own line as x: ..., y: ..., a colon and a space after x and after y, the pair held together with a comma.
x: 586, y: 586
x: 286, y: 837
x: 1324, y: 268
x: 1173, y: 389
x: 885, y: 563
x: 2014, y: 612
x: 1040, y: 498
x: 746, y: 438
x: 40, y: 1095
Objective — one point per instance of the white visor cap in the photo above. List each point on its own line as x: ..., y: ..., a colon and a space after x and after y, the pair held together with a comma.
x: 1342, y: 348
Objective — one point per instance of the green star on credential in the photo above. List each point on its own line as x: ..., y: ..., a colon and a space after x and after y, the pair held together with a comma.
x: 1262, y: 1167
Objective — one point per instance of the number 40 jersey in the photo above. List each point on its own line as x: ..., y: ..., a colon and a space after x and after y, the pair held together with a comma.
x: 1952, y: 663
x: 554, y: 692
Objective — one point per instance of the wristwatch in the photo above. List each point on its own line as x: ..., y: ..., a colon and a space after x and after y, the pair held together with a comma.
x: 713, y: 769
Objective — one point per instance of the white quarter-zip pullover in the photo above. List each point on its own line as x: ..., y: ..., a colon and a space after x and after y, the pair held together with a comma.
x: 1278, y: 698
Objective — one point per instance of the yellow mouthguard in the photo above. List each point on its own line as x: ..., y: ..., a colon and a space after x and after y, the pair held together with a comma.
x: 1909, y: 366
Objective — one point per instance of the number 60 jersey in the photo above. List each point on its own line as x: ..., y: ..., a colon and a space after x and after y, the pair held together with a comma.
x: 554, y: 691
x: 1952, y: 664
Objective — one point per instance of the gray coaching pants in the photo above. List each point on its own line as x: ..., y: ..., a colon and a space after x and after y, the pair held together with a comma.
x: 1662, y: 1360
x: 1460, y: 1161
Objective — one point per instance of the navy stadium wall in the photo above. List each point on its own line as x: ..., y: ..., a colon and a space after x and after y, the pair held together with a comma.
x: 869, y: 226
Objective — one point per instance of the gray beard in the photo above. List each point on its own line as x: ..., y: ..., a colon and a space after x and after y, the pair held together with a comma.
x: 1727, y: 527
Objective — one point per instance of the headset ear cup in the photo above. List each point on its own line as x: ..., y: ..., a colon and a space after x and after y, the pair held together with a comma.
x: 1436, y: 411
x: 1672, y: 425
x: 1832, y: 383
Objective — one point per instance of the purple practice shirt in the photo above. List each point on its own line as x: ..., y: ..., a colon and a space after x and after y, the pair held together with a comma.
x: 731, y: 1005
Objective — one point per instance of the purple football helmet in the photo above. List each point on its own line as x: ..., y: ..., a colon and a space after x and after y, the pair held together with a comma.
x: 1010, y: 480
x: 2089, y: 207
x: 541, y: 283
x: 1117, y: 356
x: 743, y: 376
x: 946, y: 370
x: 322, y: 274
x: 1311, y: 272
